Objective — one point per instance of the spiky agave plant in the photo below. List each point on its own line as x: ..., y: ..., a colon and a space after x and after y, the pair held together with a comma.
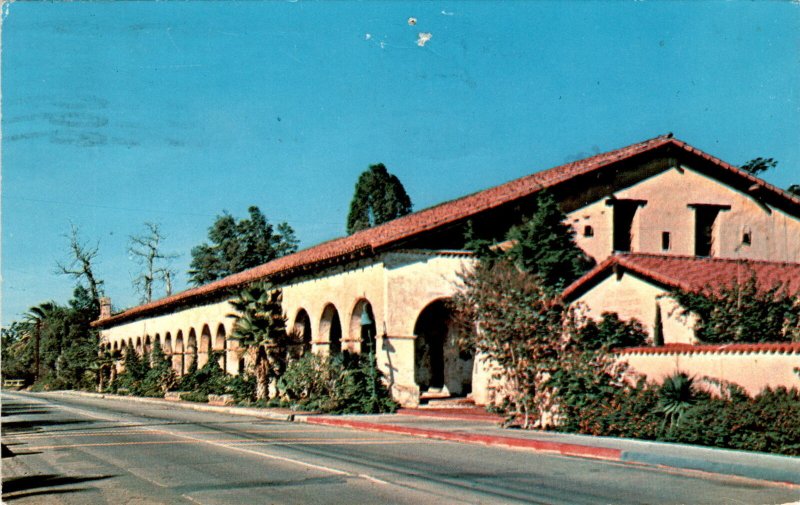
x: 676, y: 396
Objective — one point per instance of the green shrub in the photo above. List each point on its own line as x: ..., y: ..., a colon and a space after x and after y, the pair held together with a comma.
x: 194, y: 396
x: 242, y: 387
x: 342, y: 384
x: 766, y: 423
x: 743, y: 312
x: 210, y: 379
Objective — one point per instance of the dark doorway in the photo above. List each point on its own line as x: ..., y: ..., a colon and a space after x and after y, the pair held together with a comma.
x: 431, y: 332
x: 624, y: 212
x: 705, y: 218
x: 440, y: 367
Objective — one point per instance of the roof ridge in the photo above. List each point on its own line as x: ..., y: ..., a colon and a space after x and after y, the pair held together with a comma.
x: 713, y: 259
x: 370, y: 240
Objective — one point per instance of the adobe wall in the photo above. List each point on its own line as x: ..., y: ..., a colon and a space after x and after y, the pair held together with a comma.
x: 753, y: 369
x: 775, y: 235
x: 634, y: 298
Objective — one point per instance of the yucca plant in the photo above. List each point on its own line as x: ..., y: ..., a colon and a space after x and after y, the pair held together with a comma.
x: 676, y: 396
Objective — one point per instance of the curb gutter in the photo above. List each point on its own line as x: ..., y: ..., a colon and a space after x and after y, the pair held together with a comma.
x: 565, y: 449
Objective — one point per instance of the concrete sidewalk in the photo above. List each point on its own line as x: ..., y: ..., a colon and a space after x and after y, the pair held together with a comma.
x: 478, y: 427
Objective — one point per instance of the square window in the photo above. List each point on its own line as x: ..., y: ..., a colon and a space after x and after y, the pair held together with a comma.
x: 588, y: 231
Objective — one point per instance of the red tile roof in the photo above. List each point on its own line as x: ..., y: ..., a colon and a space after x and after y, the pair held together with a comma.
x: 372, y: 240
x: 783, y: 348
x: 691, y: 273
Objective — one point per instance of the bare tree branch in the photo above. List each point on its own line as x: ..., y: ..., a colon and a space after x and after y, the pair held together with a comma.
x: 80, y: 265
x: 144, y: 249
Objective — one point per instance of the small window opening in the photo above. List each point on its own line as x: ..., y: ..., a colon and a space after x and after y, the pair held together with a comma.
x: 665, y: 244
x: 747, y: 238
x: 588, y: 231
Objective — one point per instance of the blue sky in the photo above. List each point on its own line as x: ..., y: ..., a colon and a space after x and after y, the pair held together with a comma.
x: 118, y: 113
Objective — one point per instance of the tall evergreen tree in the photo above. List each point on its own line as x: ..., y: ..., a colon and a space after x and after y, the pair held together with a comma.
x: 544, y: 245
x: 239, y: 245
x: 379, y: 197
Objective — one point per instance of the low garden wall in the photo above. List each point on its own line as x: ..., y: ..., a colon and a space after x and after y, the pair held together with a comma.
x: 752, y: 366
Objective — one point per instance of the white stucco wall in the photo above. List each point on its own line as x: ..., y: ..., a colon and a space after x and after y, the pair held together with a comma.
x: 752, y: 370
x: 632, y: 297
x: 398, y: 286
x: 775, y: 234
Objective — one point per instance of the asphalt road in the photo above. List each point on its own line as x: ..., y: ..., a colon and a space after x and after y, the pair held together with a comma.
x: 77, y: 450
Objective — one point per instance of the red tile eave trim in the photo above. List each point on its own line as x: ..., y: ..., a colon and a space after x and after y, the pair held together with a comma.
x: 220, y: 288
x: 772, y: 348
x: 382, y: 237
x: 731, y: 168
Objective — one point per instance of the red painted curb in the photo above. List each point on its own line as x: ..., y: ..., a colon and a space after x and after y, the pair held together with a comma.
x: 517, y: 443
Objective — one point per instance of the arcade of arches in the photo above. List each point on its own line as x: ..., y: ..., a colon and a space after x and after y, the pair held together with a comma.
x: 395, y: 303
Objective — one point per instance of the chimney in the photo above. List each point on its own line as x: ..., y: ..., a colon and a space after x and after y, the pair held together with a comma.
x: 105, y: 308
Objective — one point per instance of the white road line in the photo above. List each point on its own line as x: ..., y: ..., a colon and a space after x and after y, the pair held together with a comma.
x: 372, y: 479
x: 284, y: 459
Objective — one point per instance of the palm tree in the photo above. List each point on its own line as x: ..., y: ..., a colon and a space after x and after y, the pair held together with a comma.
x: 35, y: 319
x: 260, y: 327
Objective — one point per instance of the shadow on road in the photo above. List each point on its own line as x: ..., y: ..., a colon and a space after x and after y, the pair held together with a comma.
x: 34, y: 425
x: 33, y: 485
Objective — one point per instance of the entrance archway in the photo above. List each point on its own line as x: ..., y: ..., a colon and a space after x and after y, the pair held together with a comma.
x: 330, y: 329
x: 439, y: 365
x: 364, y: 334
x: 302, y: 331
x: 178, y: 357
x: 221, y: 344
x: 204, y: 352
x: 191, y: 350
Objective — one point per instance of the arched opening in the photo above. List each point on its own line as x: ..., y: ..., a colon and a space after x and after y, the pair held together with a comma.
x: 147, y: 345
x: 440, y: 368
x: 330, y: 329
x: 139, y: 345
x: 116, y: 346
x: 302, y: 333
x: 205, y: 347
x: 167, y: 347
x: 191, y: 350
x: 178, y: 356
x: 131, y: 348
x: 221, y: 344
x: 362, y: 327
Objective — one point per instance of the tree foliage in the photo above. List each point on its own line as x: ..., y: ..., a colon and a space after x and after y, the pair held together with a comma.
x: 509, y: 318
x: 238, y: 245
x: 743, y: 313
x: 379, y: 197
x: 58, y: 338
x: 543, y: 245
x: 759, y: 165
